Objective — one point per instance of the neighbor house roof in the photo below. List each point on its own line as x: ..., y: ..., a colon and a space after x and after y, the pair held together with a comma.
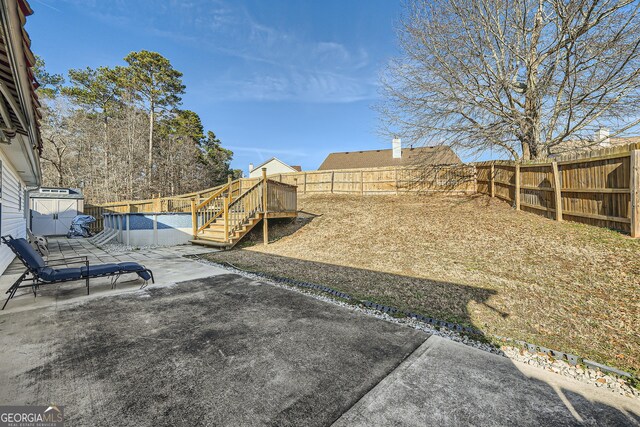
x: 438, y: 155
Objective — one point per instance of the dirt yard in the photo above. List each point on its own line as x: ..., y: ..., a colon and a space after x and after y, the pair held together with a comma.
x: 472, y: 260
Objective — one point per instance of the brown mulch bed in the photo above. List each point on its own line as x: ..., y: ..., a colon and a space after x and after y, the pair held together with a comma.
x: 469, y: 259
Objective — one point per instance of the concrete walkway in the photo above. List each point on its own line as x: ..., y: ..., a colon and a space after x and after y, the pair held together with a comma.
x: 445, y: 383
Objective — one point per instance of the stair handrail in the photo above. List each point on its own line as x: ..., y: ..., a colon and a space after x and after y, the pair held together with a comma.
x: 198, y: 209
x: 244, y: 193
x: 212, y: 197
x: 234, y: 220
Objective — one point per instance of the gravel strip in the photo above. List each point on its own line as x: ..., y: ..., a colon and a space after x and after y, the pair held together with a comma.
x: 541, y: 360
x: 121, y: 248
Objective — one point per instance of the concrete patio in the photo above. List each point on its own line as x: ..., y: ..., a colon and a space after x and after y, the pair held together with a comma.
x: 168, y: 264
x: 205, y: 347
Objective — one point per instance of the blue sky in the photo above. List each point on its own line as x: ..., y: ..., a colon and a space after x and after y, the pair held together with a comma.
x: 292, y: 79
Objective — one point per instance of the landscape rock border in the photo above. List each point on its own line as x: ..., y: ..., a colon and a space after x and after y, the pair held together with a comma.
x: 561, y: 363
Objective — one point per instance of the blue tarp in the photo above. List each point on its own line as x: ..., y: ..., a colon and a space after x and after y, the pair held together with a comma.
x: 80, y: 226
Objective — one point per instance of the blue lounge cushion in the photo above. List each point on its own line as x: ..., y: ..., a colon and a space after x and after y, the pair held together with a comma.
x: 144, y: 275
x: 49, y: 274
x: 130, y: 267
x: 32, y: 258
x: 134, y: 267
x: 99, y: 270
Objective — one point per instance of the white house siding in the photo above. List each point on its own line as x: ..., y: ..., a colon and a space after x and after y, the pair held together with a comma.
x: 274, y: 166
x: 13, y: 217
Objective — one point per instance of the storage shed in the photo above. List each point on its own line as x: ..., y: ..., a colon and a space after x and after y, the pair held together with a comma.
x: 53, y: 209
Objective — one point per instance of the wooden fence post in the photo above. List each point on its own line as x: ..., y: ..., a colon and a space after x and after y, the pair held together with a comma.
x: 492, y: 171
x: 634, y: 187
x: 305, y: 183
x: 557, y: 190
x: 362, y: 183
x: 475, y: 179
x: 396, y: 181
x: 332, y: 178
x: 194, y: 218
x: 265, y: 226
x: 517, y: 195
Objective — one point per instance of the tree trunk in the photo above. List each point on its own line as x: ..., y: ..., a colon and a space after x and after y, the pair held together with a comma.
x: 531, y: 145
x: 106, y: 149
x: 150, y: 160
x: 532, y: 104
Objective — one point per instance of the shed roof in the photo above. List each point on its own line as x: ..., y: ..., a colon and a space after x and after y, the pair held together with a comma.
x: 437, y: 155
x: 55, y: 193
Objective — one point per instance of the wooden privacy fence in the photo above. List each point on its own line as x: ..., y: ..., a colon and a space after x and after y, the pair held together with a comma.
x: 387, y: 180
x: 599, y: 188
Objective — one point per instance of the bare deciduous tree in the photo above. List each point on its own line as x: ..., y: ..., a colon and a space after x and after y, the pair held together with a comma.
x: 519, y: 76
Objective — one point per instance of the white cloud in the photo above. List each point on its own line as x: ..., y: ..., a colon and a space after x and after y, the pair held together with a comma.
x: 293, y: 68
x: 292, y: 85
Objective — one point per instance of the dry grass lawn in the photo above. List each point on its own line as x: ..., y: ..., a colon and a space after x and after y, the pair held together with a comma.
x: 473, y: 260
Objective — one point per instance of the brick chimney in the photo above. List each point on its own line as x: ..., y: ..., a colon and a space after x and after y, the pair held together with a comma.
x: 396, y: 146
x: 602, y: 137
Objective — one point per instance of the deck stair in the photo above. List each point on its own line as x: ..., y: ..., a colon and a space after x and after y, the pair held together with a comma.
x: 227, y: 215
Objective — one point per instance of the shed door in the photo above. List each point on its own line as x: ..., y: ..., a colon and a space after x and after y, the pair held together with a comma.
x: 43, y: 216
x: 67, y: 210
x: 53, y: 216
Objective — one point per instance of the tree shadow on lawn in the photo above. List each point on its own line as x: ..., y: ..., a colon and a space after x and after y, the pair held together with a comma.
x: 440, y: 300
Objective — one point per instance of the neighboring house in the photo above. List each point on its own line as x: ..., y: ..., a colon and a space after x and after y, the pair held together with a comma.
x: 273, y: 166
x: 599, y: 140
x: 20, y: 142
x: 396, y: 156
x: 53, y: 209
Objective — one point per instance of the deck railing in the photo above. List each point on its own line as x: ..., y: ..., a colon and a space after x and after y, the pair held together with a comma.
x: 281, y: 197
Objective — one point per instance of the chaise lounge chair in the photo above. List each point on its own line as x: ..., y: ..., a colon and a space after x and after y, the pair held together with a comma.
x: 39, y: 272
